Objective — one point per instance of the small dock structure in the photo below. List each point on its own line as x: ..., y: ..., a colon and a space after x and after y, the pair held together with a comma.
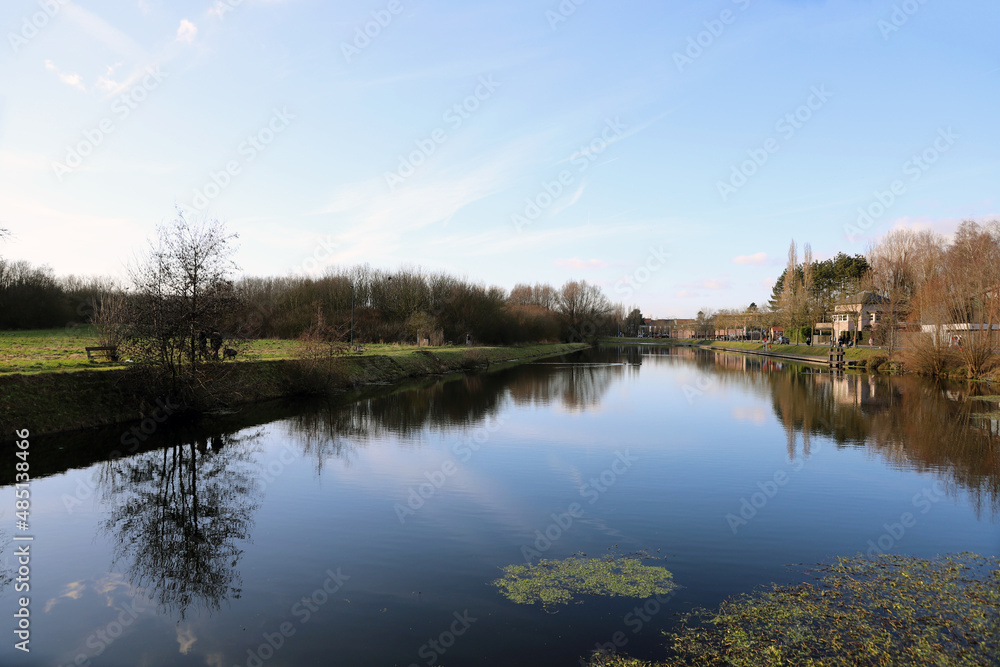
x: 836, y: 359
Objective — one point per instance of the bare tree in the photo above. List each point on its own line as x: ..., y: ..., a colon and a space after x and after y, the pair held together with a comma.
x: 952, y: 290
x: 182, y: 296
x: 891, y: 279
x: 583, y: 306
x: 542, y: 295
x: 973, y: 269
x: 108, y: 314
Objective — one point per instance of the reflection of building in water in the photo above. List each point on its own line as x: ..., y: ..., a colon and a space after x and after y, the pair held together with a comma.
x: 860, y: 391
x: 733, y: 362
x: 907, y: 420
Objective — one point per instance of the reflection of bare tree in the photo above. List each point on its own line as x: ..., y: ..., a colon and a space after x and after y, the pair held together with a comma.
x: 335, y: 429
x: 575, y: 386
x: 936, y: 434
x: 461, y: 402
x: 177, y: 515
x: 908, y: 420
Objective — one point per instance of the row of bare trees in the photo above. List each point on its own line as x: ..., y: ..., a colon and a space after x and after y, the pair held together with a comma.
x: 33, y: 297
x: 183, y: 305
x: 398, y: 305
x: 937, y: 296
x: 945, y: 292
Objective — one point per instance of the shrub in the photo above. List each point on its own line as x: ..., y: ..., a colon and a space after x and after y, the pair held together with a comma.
x: 875, y: 361
x: 474, y: 358
x: 927, y: 358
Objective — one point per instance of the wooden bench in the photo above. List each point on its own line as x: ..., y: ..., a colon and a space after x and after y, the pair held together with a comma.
x: 110, y: 352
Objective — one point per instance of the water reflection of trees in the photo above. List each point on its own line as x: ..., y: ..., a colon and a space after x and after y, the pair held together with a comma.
x: 178, y: 515
x: 909, y: 421
x: 575, y: 387
x: 334, y: 429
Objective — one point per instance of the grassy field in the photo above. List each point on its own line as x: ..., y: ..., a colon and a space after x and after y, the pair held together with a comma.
x: 62, y: 350
x: 47, y: 350
x: 45, y: 386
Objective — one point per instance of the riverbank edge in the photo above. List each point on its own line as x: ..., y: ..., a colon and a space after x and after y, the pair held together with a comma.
x: 821, y: 357
x: 51, y: 403
x: 867, y: 360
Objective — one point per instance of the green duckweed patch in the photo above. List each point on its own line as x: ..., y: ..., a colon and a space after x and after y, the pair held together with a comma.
x: 891, y: 610
x: 553, y: 582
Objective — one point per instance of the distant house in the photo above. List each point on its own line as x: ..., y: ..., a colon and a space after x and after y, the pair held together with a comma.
x: 684, y: 328
x: 858, y: 312
x: 664, y: 328
x: 952, y: 332
x: 651, y: 328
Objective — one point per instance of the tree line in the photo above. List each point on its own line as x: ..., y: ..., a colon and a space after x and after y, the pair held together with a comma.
x: 182, y: 302
x: 936, y: 296
x: 946, y: 292
x: 805, y: 293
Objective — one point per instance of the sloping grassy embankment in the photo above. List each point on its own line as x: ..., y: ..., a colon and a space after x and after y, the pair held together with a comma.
x: 61, y: 392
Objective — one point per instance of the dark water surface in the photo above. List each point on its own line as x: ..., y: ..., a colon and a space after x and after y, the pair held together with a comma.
x: 369, y: 533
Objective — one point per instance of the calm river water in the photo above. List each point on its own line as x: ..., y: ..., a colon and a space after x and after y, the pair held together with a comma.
x: 369, y: 533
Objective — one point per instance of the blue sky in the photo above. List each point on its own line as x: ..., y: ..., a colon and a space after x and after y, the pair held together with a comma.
x: 666, y: 151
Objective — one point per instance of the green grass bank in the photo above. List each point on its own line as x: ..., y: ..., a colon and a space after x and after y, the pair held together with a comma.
x: 55, y: 398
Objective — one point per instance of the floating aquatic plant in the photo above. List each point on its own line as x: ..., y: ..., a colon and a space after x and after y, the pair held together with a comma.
x: 552, y: 582
x: 891, y: 610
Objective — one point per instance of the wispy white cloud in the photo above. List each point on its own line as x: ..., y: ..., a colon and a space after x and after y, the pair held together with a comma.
x: 186, y: 31
x: 219, y: 9
x: 567, y: 202
x: 944, y: 226
x: 136, y: 62
x: 756, y: 258
x: 106, y: 83
x: 109, y: 36
x: 378, y: 218
x: 625, y: 134
x: 74, y: 79
x: 502, y: 241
